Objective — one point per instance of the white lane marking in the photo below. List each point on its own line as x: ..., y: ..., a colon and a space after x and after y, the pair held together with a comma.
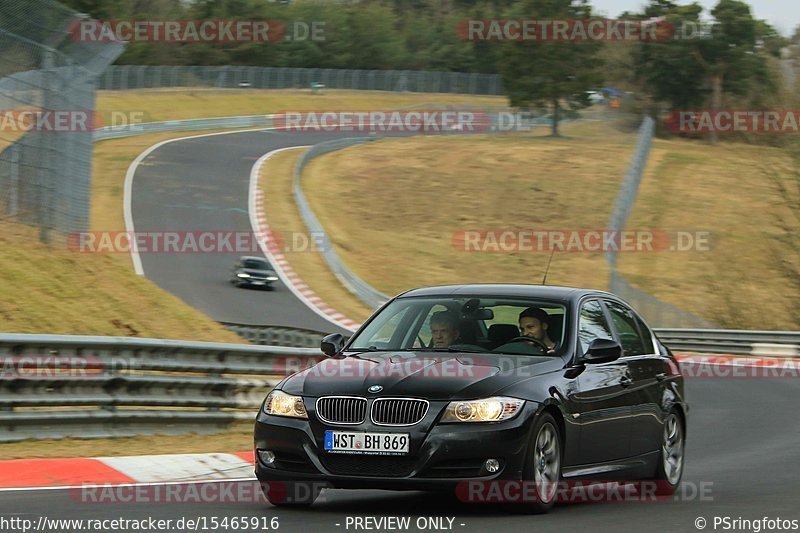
x: 184, y: 467
x: 128, y: 187
x: 104, y: 485
x: 289, y: 278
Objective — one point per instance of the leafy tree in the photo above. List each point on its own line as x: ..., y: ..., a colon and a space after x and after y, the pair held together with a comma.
x: 552, y: 74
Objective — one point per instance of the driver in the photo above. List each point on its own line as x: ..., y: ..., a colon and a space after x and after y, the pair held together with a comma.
x: 444, y: 329
x: 533, y: 322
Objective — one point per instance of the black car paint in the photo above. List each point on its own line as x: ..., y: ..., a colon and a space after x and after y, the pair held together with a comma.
x: 610, y: 415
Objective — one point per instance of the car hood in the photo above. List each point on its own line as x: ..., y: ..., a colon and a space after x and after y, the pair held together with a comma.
x: 430, y: 375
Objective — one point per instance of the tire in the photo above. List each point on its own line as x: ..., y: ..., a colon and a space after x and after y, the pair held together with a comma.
x: 287, y: 494
x: 669, y: 469
x: 543, y: 464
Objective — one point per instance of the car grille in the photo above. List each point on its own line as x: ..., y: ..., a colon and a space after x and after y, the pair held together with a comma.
x: 342, y: 409
x: 398, y: 411
x: 365, y: 465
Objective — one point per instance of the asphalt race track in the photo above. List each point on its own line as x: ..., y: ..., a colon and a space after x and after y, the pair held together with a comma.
x: 742, y: 450
x: 743, y: 447
x: 201, y: 184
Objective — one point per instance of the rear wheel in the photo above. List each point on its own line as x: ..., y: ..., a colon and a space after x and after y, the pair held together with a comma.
x: 670, y: 463
x: 543, y: 465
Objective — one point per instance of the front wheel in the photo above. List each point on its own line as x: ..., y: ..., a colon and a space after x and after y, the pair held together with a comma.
x: 543, y: 464
x: 670, y: 463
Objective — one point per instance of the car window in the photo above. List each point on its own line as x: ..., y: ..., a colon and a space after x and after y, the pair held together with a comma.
x: 474, y: 317
x: 424, y: 334
x: 256, y: 264
x: 593, y: 324
x: 628, y: 331
x: 647, y: 334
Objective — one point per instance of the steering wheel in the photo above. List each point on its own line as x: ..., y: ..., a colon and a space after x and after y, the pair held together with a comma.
x: 533, y: 340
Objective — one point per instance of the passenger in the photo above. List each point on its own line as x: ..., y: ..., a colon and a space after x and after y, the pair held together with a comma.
x: 533, y: 322
x: 444, y: 329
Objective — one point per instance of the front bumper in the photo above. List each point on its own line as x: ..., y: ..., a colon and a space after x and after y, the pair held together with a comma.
x: 440, y: 456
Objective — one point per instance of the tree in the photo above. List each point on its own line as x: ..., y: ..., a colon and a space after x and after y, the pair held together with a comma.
x: 551, y: 74
x: 730, y: 58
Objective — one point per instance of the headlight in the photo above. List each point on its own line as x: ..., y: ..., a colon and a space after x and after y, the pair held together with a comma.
x: 272, y: 278
x: 281, y: 404
x: 243, y: 275
x: 486, y: 410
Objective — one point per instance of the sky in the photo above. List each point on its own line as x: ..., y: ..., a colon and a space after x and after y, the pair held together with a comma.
x: 783, y: 15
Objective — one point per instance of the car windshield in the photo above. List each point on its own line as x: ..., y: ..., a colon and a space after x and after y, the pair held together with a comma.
x: 468, y: 324
x: 257, y: 264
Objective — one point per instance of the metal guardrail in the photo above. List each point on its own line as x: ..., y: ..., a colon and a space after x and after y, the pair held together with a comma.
x: 360, y: 288
x: 276, y: 335
x: 736, y: 342
x: 55, y: 386
x: 129, y: 130
x: 654, y: 310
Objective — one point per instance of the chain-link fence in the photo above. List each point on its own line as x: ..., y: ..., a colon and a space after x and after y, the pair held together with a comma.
x: 317, y: 79
x: 47, y: 93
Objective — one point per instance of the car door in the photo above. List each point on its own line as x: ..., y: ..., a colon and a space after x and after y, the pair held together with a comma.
x: 601, y: 398
x: 644, y: 365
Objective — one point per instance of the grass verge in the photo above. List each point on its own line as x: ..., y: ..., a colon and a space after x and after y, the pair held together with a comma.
x: 173, y: 104
x: 392, y: 208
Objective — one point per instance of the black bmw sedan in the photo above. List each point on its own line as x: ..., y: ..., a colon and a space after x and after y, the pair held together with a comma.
x: 478, y: 384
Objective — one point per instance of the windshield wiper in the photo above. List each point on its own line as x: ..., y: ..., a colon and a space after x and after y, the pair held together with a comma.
x: 357, y: 351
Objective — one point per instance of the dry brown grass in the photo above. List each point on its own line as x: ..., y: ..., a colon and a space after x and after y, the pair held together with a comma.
x: 392, y: 207
x: 52, y: 289
x: 729, y: 191
x: 174, y: 104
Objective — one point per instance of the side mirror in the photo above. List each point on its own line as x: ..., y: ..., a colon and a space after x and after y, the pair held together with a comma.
x: 602, y: 351
x: 332, y: 344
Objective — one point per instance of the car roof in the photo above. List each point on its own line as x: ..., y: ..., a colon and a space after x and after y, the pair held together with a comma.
x: 553, y: 292
x: 255, y: 257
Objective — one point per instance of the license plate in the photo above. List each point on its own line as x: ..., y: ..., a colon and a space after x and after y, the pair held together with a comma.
x: 375, y: 443
x: 258, y: 282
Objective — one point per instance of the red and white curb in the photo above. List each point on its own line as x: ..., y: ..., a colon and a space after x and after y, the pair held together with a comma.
x: 270, y: 247
x: 141, y: 469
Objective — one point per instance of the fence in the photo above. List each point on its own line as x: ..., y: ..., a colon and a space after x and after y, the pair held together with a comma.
x: 45, y: 170
x: 125, y: 77
x: 277, y: 335
x: 54, y: 386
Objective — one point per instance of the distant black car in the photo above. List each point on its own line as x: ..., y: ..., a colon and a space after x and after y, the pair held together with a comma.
x: 252, y: 271
x: 601, y: 398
